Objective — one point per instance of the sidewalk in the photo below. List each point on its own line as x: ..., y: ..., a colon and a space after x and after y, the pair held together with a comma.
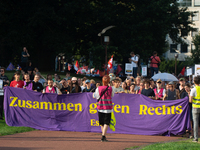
x: 65, y: 140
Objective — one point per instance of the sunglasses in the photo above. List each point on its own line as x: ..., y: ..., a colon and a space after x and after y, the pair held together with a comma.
x: 158, y: 82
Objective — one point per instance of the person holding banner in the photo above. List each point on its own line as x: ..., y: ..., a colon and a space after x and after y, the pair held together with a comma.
x: 159, y: 91
x: 171, y: 93
x: 3, y: 82
x: 195, y: 100
x: 147, y: 91
x: 17, y: 82
x: 104, y: 95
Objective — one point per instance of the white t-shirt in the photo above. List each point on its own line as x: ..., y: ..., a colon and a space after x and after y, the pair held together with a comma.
x: 1, y: 87
x: 193, y: 92
x: 82, y: 88
x: 135, y: 58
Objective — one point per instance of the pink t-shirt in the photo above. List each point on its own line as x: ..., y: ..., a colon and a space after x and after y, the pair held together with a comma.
x: 154, y: 61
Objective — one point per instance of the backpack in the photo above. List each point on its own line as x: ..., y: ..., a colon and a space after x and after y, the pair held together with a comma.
x: 138, y: 63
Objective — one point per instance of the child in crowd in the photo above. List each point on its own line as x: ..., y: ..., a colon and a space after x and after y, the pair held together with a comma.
x: 116, y: 88
x: 141, y: 88
x: 27, y: 83
x: 132, y: 89
x: 17, y: 82
x: 124, y: 86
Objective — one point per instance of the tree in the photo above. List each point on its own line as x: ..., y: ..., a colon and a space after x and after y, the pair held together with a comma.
x: 194, y: 58
x: 49, y: 27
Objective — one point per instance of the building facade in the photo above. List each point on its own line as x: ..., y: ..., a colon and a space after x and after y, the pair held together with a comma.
x: 185, y: 49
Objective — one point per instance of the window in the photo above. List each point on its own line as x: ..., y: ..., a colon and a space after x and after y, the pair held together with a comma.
x: 184, y: 32
x: 172, y: 47
x: 196, y: 2
x: 196, y: 17
x: 185, y: 3
x: 184, y: 48
x: 195, y: 32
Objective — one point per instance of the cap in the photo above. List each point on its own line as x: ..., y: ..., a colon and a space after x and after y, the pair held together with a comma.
x: 87, y: 81
x: 181, y: 79
x: 159, y: 80
x: 74, y: 79
x: 171, y: 82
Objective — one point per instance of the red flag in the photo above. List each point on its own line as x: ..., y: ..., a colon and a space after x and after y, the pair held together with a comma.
x: 110, y: 62
x: 77, y: 65
x: 183, y: 71
x: 69, y: 67
x: 119, y: 69
x: 97, y: 72
x: 108, y: 70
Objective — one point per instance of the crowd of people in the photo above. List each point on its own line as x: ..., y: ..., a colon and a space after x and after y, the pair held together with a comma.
x: 156, y: 90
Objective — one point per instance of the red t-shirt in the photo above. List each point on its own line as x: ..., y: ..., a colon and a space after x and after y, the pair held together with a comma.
x: 154, y: 61
x: 17, y: 84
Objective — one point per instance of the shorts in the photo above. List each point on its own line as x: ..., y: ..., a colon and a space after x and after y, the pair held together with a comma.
x: 104, y: 118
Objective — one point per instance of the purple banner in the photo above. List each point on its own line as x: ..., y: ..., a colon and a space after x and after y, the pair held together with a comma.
x: 135, y: 114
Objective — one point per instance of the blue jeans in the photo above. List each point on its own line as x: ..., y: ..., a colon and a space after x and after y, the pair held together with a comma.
x: 153, y: 69
x: 135, y: 72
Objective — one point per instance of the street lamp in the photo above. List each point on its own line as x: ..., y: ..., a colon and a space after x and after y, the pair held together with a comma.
x: 63, y: 60
x: 176, y: 56
x: 106, y: 41
x: 59, y: 62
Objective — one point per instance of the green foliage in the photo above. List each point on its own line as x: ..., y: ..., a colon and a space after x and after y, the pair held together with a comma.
x: 180, y: 145
x: 48, y: 28
x: 167, y: 65
x: 196, y: 52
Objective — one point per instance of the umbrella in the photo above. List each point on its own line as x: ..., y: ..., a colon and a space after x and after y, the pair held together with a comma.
x: 164, y: 77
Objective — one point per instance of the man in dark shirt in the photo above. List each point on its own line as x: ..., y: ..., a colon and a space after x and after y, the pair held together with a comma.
x: 3, y: 82
x: 37, y: 86
x: 88, y: 87
x: 65, y: 87
x: 181, y: 88
x: 24, y: 58
x: 147, y: 91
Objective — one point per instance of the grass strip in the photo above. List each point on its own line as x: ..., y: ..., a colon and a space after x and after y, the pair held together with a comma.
x: 8, y: 130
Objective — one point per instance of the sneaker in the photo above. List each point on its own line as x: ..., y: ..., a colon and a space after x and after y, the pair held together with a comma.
x: 190, y: 135
x: 103, y: 139
x: 195, y: 140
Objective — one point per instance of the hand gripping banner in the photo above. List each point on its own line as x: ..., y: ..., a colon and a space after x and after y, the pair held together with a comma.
x: 135, y: 114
